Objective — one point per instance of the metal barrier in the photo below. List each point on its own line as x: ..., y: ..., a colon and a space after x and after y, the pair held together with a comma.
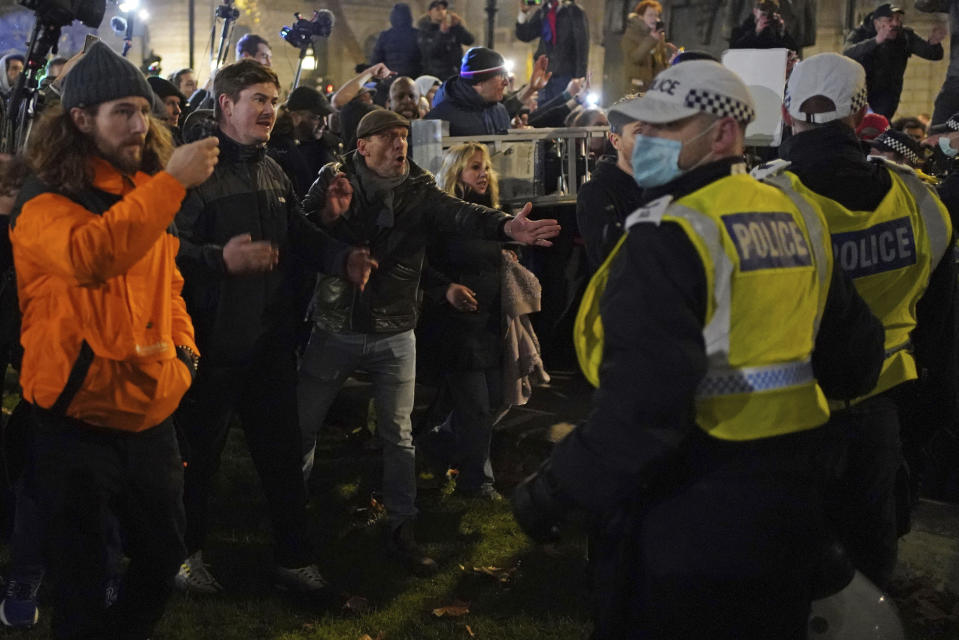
x: 542, y: 166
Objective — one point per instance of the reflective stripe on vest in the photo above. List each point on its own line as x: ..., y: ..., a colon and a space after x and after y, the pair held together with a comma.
x: 757, y: 397
x: 719, y: 382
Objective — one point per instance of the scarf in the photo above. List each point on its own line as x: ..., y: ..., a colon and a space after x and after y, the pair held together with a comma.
x: 549, y: 24
x: 379, y: 190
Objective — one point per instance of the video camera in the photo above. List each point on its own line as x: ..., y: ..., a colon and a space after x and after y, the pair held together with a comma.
x: 302, y: 32
x: 63, y: 12
x: 51, y: 17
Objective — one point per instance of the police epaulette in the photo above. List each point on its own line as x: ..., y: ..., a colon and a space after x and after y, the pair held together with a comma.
x: 651, y: 212
x: 770, y: 169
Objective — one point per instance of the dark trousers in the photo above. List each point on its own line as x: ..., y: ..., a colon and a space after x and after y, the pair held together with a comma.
x: 86, y: 475
x: 263, y: 394
x: 861, y: 499
x: 477, y: 399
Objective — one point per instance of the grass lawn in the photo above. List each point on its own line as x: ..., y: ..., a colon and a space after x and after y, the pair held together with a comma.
x: 511, y: 588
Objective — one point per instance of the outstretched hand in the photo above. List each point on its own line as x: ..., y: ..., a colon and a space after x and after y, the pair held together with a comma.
x: 339, y: 195
x: 531, y: 232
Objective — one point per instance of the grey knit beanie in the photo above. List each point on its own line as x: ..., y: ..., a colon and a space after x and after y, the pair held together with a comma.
x: 100, y: 76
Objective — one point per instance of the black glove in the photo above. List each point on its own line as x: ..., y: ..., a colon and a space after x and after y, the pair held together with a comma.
x: 539, y: 507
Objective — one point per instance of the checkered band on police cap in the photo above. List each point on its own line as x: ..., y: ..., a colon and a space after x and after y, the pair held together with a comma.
x: 719, y: 105
x: 689, y: 88
x: 899, y: 142
x: 829, y: 75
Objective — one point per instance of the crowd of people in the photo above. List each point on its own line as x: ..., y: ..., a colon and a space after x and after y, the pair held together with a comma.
x: 772, y: 340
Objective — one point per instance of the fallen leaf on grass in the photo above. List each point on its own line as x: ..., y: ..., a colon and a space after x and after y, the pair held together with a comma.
x: 379, y: 636
x: 452, y: 610
x: 501, y: 575
x: 470, y: 631
x: 308, y: 626
x: 356, y: 604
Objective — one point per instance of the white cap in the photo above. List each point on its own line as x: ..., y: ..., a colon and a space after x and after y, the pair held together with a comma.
x: 833, y: 76
x: 689, y: 88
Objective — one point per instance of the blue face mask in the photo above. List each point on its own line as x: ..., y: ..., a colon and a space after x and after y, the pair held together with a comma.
x: 656, y: 160
x: 947, y: 148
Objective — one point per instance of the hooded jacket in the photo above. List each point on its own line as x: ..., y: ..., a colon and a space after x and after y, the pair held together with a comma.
x: 5, y: 88
x: 397, y: 47
x: 100, y: 296
x: 458, y: 103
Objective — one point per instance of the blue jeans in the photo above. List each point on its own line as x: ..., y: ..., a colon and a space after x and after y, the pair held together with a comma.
x: 390, y: 359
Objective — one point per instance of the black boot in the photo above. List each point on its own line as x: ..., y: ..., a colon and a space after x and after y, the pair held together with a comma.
x: 402, y: 545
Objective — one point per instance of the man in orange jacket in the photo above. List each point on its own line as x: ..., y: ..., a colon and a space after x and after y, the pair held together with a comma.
x: 108, y: 345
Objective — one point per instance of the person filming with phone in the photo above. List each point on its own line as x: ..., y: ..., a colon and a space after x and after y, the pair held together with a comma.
x: 645, y: 50
x: 763, y: 29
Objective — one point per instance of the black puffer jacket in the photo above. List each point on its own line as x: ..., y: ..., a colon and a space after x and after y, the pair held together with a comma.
x: 397, y: 46
x: 247, y: 193
x: 388, y: 303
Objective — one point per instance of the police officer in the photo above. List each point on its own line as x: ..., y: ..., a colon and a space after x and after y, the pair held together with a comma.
x: 699, y: 457
x: 890, y: 232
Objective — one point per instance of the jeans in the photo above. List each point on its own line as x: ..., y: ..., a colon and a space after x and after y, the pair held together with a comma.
x: 390, y: 359
x: 85, y: 476
x: 263, y: 393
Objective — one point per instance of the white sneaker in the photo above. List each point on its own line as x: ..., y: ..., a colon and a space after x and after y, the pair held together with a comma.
x: 194, y: 577
x: 302, y: 580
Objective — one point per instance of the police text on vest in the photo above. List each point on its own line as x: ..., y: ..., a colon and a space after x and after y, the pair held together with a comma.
x: 768, y: 241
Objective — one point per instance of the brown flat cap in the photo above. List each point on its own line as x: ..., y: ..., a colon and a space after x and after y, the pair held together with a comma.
x: 376, y: 121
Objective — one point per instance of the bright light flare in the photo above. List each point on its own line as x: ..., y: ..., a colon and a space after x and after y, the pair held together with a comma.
x: 144, y: 15
x: 509, y: 65
x: 592, y: 98
x: 129, y: 5
x: 309, y: 63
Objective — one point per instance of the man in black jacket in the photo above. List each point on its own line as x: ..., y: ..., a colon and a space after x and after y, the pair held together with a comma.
x: 442, y: 35
x: 884, y: 53
x: 763, y: 29
x: 603, y: 203
x: 824, y: 99
x: 378, y: 198
x: 243, y: 236
x: 563, y: 32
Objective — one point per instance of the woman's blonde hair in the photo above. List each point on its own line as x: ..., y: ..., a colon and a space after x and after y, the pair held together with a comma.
x: 455, y: 162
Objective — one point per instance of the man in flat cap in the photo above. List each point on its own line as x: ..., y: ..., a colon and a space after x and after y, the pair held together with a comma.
x: 378, y: 198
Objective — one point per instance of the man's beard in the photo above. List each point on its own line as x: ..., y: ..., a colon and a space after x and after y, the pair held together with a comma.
x: 124, y: 160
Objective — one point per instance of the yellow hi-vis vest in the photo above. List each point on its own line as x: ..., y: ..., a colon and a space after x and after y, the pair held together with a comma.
x: 768, y: 266
x: 890, y: 254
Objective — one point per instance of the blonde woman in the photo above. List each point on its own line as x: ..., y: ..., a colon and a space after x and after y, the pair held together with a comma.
x: 460, y: 333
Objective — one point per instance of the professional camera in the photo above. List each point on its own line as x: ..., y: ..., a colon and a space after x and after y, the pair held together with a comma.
x: 660, y: 25
x: 939, y: 164
x: 63, y: 12
x: 302, y: 32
